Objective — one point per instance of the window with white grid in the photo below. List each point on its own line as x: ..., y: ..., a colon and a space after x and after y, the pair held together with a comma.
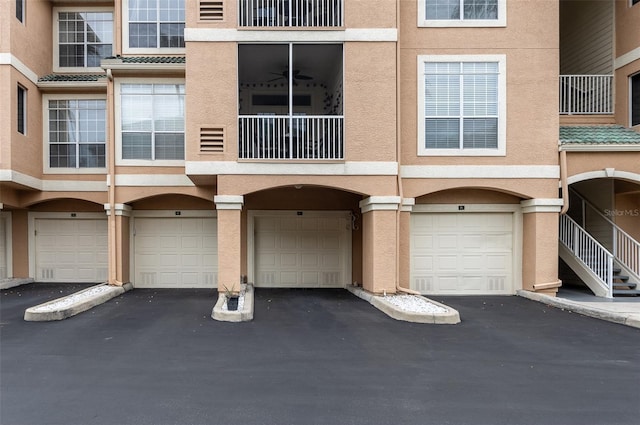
x: 462, y: 13
x: 84, y: 38
x: 77, y: 133
x: 462, y: 106
x: 156, y: 23
x: 152, y: 121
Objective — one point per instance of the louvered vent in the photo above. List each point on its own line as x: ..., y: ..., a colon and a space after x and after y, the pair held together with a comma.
x: 211, y: 10
x: 211, y: 139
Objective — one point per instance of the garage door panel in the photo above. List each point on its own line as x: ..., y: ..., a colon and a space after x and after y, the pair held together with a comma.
x: 70, y: 250
x: 309, y: 260
x: 470, y: 253
x: 175, y: 252
x: 309, y: 252
x: 447, y: 241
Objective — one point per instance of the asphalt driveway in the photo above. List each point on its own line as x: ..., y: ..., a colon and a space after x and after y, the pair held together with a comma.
x: 311, y: 357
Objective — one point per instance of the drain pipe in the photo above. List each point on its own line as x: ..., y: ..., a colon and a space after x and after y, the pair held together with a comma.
x: 399, y: 156
x: 563, y: 181
x: 111, y: 176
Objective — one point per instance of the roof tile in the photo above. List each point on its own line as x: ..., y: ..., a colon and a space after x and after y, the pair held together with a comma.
x: 598, y: 135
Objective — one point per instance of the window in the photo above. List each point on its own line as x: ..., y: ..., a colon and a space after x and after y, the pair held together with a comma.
x: 462, y: 105
x: 21, y: 108
x: 455, y: 13
x: 635, y: 100
x: 84, y: 38
x: 156, y: 23
x: 77, y: 133
x: 152, y: 121
x: 20, y: 10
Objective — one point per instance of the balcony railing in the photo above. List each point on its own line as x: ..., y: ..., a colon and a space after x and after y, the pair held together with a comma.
x: 290, y: 13
x: 586, y: 94
x: 291, y: 137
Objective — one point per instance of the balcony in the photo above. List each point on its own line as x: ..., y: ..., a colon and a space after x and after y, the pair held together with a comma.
x: 290, y: 13
x: 291, y: 137
x: 586, y: 94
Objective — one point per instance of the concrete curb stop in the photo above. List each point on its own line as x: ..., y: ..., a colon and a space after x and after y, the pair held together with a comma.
x: 70, y: 305
x: 12, y: 282
x: 449, y: 317
x: 221, y: 314
x: 627, y: 319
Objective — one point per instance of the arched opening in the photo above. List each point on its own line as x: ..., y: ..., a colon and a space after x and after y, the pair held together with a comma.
x: 302, y: 236
x: 465, y: 241
x: 605, y: 213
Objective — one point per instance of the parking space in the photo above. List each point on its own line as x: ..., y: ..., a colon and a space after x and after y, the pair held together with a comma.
x: 311, y: 356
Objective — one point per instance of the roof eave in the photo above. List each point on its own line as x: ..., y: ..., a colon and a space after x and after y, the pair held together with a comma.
x: 166, y: 67
x: 44, y: 85
x: 581, y: 147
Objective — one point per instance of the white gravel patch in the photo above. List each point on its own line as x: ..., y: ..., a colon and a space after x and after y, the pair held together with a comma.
x: 65, y: 302
x: 414, y: 304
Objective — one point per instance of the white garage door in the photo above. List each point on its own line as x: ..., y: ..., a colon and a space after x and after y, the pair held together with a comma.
x: 3, y: 247
x: 71, y: 250
x: 175, y: 252
x: 312, y: 250
x: 462, y: 253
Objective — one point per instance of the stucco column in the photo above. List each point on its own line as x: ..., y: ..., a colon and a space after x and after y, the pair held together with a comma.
x: 405, y: 242
x: 540, y: 245
x: 118, y: 254
x: 229, y: 240
x: 379, y: 260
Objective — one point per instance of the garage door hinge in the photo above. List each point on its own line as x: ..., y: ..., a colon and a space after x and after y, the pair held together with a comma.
x: 35, y: 233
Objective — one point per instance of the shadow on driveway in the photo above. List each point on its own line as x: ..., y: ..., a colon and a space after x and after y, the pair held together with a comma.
x: 311, y: 357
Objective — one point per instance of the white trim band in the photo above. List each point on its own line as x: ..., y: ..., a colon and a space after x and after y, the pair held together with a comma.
x: 234, y: 35
x: 374, y: 168
x: 627, y: 58
x: 542, y: 205
x: 600, y: 148
x: 407, y: 204
x: 52, y: 185
x: 17, y: 64
x: 480, y: 171
x: 380, y: 203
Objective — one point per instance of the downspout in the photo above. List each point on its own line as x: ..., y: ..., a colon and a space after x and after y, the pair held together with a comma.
x: 563, y: 181
x: 399, y: 156
x: 111, y: 183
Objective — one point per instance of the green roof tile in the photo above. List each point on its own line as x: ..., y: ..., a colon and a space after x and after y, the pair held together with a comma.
x: 598, y: 135
x: 70, y: 77
x: 151, y: 59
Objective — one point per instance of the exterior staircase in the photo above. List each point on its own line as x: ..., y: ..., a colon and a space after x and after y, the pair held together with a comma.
x: 606, y: 259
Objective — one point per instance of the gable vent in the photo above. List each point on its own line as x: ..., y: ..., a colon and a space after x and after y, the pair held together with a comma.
x: 211, y: 10
x: 212, y: 139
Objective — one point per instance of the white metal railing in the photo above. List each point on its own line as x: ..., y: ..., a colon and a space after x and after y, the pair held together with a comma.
x: 586, y: 94
x: 290, y: 13
x: 625, y: 249
x: 290, y: 137
x: 593, y: 255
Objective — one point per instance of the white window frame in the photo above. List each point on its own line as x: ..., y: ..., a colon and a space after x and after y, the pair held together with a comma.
x: 144, y: 50
x: 502, y: 105
x: 479, y: 23
x: 636, y: 75
x: 118, y: 124
x: 45, y: 135
x: 56, y: 37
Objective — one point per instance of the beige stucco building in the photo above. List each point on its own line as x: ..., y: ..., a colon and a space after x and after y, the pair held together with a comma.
x: 392, y: 144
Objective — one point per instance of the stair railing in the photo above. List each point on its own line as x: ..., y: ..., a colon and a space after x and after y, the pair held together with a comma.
x: 593, y: 255
x: 625, y: 248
